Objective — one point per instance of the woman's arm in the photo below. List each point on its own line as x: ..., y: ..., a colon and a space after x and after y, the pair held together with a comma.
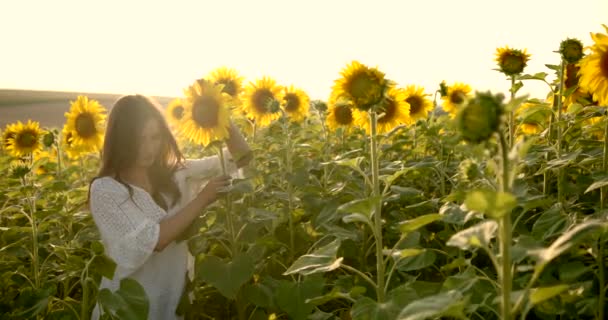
x: 238, y: 147
x: 172, y: 227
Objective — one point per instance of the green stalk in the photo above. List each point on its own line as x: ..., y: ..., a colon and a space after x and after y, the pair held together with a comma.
x: 377, y: 207
x: 560, y: 173
x: 505, y: 236
x: 288, y: 170
x: 34, y: 241
x: 511, y: 120
x: 228, y: 206
x: 600, y: 253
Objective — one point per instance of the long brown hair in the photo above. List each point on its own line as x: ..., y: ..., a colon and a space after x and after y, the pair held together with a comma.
x: 125, y: 123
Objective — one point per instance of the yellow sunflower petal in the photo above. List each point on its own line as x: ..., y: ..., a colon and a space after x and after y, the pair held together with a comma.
x: 420, y: 104
x: 457, y: 95
x: 594, y: 69
x: 26, y: 139
x: 396, y: 111
x: 206, y: 117
x: 363, y: 85
x: 231, y: 81
x: 86, y: 121
x: 175, y: 111
x: 295, y: 103
x: 340, y: 113
x: 261, y: 101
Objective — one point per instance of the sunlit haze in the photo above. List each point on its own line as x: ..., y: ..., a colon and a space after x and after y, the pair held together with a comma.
x: 158, y: 48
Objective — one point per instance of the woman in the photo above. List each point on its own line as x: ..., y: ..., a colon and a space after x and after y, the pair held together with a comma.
x: 146, y: 195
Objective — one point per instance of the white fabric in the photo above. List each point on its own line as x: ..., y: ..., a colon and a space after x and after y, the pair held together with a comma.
x: 130, y: 229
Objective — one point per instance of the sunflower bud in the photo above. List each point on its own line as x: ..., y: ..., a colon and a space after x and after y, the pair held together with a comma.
x: 443, y: 89
x: 511, y: 61
x: 571, y: 50
x: 19, y: 170
x: 319, y: 105
x: 48, y: 139
x: 480, y: 118
x: 469, y: 170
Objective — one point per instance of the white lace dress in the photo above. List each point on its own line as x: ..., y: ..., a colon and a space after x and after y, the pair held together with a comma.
x: 130, y: 228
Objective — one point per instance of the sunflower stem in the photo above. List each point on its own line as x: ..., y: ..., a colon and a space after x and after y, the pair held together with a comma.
x: 560, y: 173
x: 228, y: 205
x: 377, y: 207
x: 288, y: 170
x: 58, y: 147
x: 511, y: 120
x: 600, y: 252
x: 505, y: 234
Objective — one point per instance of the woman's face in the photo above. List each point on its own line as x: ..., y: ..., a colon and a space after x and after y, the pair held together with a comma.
x: 150, y: 144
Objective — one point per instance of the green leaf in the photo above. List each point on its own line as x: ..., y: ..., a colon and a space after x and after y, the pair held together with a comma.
x: 104, y: 266
x: 539, y: 295
x: 321, y: 260
x: 516, y: 86
x: 569, y: 239
x: 417, y: 262
x: 128, y: 302
x: 515, y: 103
x: 600, y: 181
x: 536, y: 76
x: 354, y: 163
x: 476, y: 236
x: 293, y: 297
x: 447, y: 304
x: 416, y: 223
x: 494, y: 204
x: 368, y: 309
x: 228, y: 277
x: 365, y: 206
x: 258, y: 294
x: 358, y: 217
x: 337, y: 293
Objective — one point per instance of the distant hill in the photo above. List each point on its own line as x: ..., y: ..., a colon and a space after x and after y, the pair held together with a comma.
x: 48, y: 107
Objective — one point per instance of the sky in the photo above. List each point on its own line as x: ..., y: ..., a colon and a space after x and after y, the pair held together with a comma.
x: 161, y: 47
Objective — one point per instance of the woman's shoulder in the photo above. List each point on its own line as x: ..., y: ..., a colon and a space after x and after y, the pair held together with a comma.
x: 107, y: 185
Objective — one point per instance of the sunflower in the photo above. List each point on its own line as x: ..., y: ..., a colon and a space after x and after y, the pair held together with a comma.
x: 74, y: 152
x: 456, y: 97
x: 395, y: 111
x: 175, y: 111
x: 594, y: 128
x: 7, y: 134
x: 340, y: 113
x: 295, y: 103
x: 363, y: 85
x: 231, y: 81
x: 261, y: 102
x: 420, y: 105
x: 571, y: 84
x: 25, y: 140
x: 86, y: 122
x: 571, y: 50
x: 511, y: 61
x: 206, y: 117
x: 594, y: 69
x: 532, y: 121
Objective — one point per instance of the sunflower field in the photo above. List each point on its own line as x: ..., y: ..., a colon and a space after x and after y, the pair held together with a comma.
x: 386, y: 201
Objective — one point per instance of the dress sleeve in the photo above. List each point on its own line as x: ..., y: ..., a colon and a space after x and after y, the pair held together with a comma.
x: 208, y: 167
x: 129, y: 236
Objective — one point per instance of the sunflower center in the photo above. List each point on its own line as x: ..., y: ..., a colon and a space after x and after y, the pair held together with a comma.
x: 390, y: 108
x: 457, y: 97
x: 85, y: 125
x: 26, y: 139
x: 415, y: 104
x: 344, y: 115
x: 512, y: 64
x: 571, y: 75
x: 178, y: 112
x: 292, y: 103
x: 229, y: 87
x: 261, y: 100
x: 205, y: 111
x: 362, y: 85
x: 604, y: 63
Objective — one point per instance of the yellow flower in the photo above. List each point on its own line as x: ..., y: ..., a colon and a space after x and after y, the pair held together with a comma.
x: 456, y: 97
x: 231, y: 81
x: 511, y: 61
x: 26, y: 139
x: 9, y: 132
x: 594, y: 69
x: 363, y: 85
x: 206, y: 117
x: 175, y: 111
x: 420, y: 105
x: 395, y: 111
x: 533, y: 121
x: 86, y: 122
x: 261, y: 101
x: 593, y: 126
x: 295, y: 103
x: 74, y: 152
x: 339, y: 113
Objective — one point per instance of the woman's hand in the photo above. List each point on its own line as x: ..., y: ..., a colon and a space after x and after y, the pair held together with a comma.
x: 213, y: 189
